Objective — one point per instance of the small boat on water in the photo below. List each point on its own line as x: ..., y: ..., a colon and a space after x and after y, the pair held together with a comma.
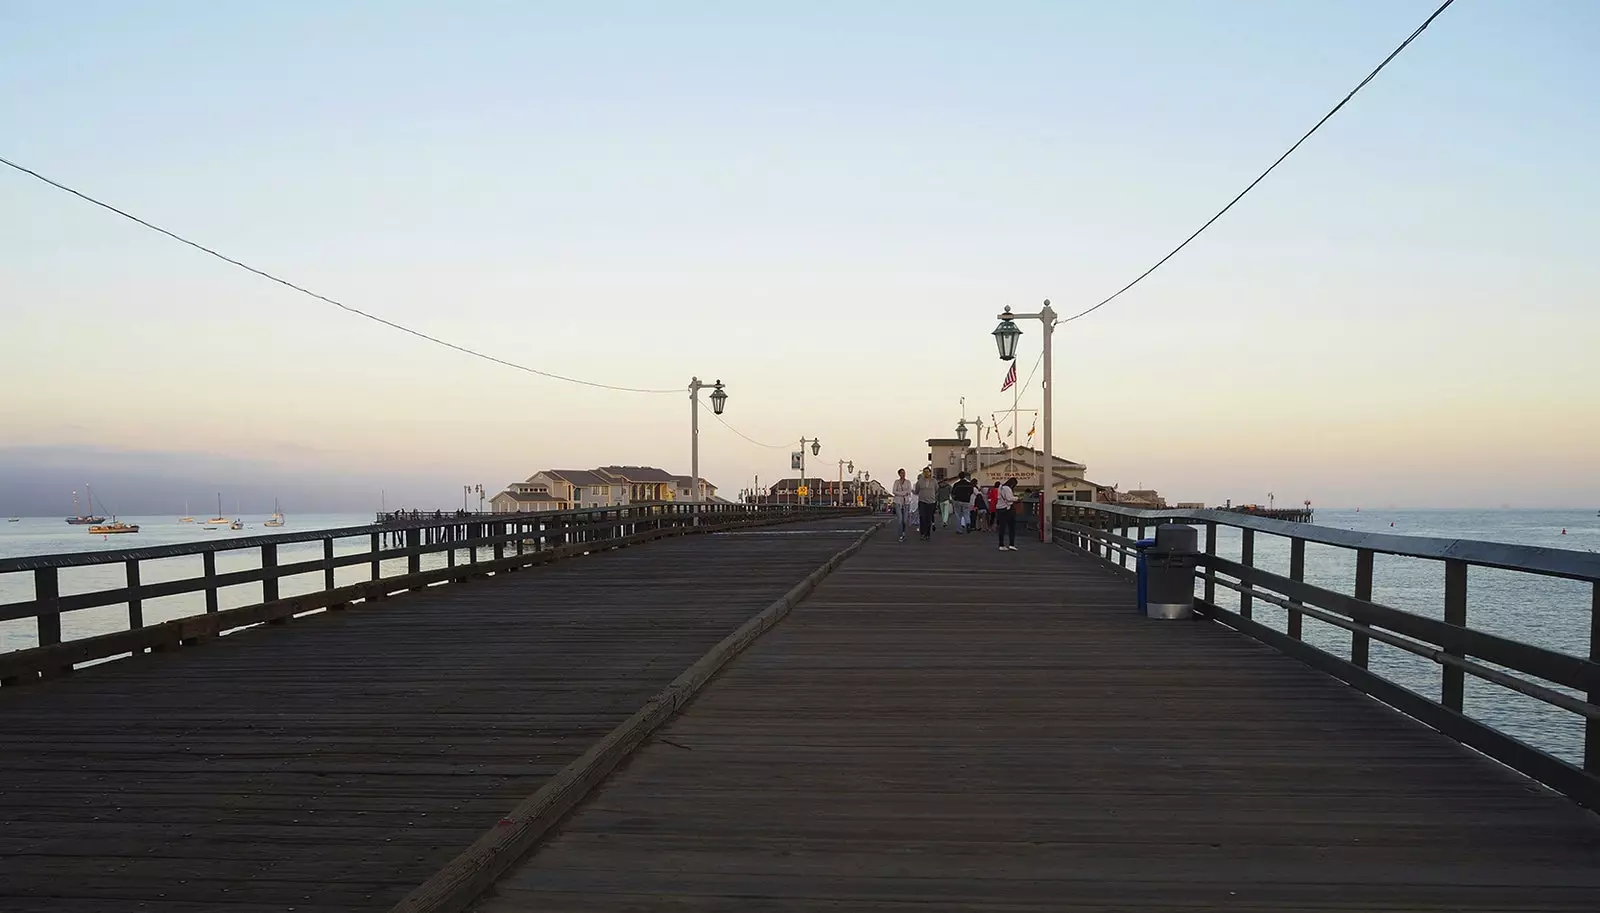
x: 219, y: 519
x: 277, y: 515
x: 237, y: 524
x: 113, y: 528
x: 14, y: 520
x: 186, y: 518
x: 84, y: 519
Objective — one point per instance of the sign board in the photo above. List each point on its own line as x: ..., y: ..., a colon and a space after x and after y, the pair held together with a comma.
x: 795, y: 458
x: 803, y: 491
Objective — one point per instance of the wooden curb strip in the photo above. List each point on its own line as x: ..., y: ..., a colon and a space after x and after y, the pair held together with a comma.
x: 460, y: 883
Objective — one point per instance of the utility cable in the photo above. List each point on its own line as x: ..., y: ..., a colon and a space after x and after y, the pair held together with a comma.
x: 324, y: 298
x: 741, y: 433
x: 1262, y: 176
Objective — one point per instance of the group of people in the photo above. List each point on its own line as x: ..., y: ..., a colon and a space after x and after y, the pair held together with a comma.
x: 929, y: 502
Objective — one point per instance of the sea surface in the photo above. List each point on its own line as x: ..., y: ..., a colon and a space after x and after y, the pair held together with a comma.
x: 1538, y: 610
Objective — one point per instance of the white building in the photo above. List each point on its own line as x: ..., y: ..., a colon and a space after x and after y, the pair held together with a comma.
x: 992, y: 465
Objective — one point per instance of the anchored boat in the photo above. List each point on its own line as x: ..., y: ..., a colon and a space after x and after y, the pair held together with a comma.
x: 84, y: 519
x: 113, y: 528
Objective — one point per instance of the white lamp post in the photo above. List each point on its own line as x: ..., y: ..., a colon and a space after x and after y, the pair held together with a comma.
x: 1005, y: 338
x: 719, y: 400
x: 839, y: 495
x: 816, y: 448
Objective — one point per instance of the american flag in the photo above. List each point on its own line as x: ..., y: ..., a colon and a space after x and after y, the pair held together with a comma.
x: 1011, y: 378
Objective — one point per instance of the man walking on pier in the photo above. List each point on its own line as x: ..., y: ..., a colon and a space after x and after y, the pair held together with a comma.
x: 1005, y: 513
x: 905, y: 501
x: 927, y: 498
x: 961, y: 498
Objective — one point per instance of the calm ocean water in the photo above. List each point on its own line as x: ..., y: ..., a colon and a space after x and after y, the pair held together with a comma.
x: 1542, y: 611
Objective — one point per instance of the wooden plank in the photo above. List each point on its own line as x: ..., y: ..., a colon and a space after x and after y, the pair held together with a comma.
x: 909, y: 739
x: 378, y: 741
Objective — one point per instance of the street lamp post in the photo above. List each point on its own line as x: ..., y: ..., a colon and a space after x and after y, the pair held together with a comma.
x: 1005, y: 338
x: 839, y: 494
x: 816, y: 448
x: 719, y: 400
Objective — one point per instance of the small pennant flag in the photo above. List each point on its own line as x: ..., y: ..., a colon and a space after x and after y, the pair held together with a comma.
x: 1032, y: 428
x: 1011, y: 378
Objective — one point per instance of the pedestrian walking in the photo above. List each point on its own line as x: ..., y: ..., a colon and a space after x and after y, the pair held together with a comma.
x: 961, y: 500
x: 905, y: 499
x: 1005, y: 513
x: 927, y: 501
x: 943, y: 499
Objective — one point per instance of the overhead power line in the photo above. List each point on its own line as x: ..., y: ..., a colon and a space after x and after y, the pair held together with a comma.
x: 741, y: 433
x: 1262, y: 176
x: 324, y: 298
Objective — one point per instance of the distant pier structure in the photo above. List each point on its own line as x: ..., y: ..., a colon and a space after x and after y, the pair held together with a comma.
x: 1300, y: 514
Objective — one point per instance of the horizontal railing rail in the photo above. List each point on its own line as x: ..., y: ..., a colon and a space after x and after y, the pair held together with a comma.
x: 469, y: 546
x: 1556, y: 679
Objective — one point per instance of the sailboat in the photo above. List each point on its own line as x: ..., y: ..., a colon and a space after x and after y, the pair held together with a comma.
x: 238, y: 523
x: 277, y: 515
x: 114, y: 527
x: 219, y: 519
x: 82, y: 519
x: 186, y: 518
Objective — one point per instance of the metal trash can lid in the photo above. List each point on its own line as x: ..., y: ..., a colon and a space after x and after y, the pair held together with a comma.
x: 1175, y: 537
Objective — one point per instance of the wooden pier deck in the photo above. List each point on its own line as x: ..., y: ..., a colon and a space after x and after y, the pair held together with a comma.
x: 942, y: 726
x: 335, y: 763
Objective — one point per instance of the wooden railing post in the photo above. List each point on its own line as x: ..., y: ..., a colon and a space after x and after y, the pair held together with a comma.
x: 1247, y: 557
x: 1211, y: 572
x: 209, y: 562
x: 414, y: 551
x: 1358, y: 640
x: 501, y: 529
x: 327, y: 564
x: 269, y: 576
x: 135, y: 597
x: 1591, y: 729
x: 1453, y: 690
x: 1297, y: 573
x: 47, y: 590
x: 377, y: 546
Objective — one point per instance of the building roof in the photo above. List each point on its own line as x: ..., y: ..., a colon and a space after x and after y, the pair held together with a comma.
x: 529, y: 496
x: 637, y: 473
x: 1000, y: 455
x: 683, y: 482
x: 791, y: 484
x: 578, y: 476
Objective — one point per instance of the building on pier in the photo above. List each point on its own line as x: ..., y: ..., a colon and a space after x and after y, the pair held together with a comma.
x: 603, y: 486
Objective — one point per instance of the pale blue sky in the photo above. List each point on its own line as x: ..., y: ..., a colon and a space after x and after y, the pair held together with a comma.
x: 823, y: 204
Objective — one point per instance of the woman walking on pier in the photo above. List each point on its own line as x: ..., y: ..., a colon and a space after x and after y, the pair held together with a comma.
x: 1005, y: 513
x: 905, y: 501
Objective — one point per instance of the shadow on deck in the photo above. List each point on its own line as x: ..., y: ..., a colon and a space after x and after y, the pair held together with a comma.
x: 945, y: 726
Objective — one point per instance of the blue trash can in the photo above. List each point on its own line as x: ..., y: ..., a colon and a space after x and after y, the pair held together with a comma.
x: 1142, y: 571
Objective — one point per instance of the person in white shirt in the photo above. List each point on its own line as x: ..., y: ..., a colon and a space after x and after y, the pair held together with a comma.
x: 1005, y: 513
x: 905, y: 501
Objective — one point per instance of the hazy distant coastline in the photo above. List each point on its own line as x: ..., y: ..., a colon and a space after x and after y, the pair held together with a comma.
x: 39, y: 482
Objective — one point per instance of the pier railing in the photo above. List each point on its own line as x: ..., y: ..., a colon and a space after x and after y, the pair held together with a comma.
x: 1555, y: 679
x: 376, y: 561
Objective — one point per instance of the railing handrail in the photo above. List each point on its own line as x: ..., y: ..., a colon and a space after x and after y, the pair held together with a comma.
x: 1535, y: 559
x: 1459, y: 649
x: 117, y: 556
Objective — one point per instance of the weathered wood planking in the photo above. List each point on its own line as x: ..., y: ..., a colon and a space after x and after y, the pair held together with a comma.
x: 337, y: 762
x: 945, y: 726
